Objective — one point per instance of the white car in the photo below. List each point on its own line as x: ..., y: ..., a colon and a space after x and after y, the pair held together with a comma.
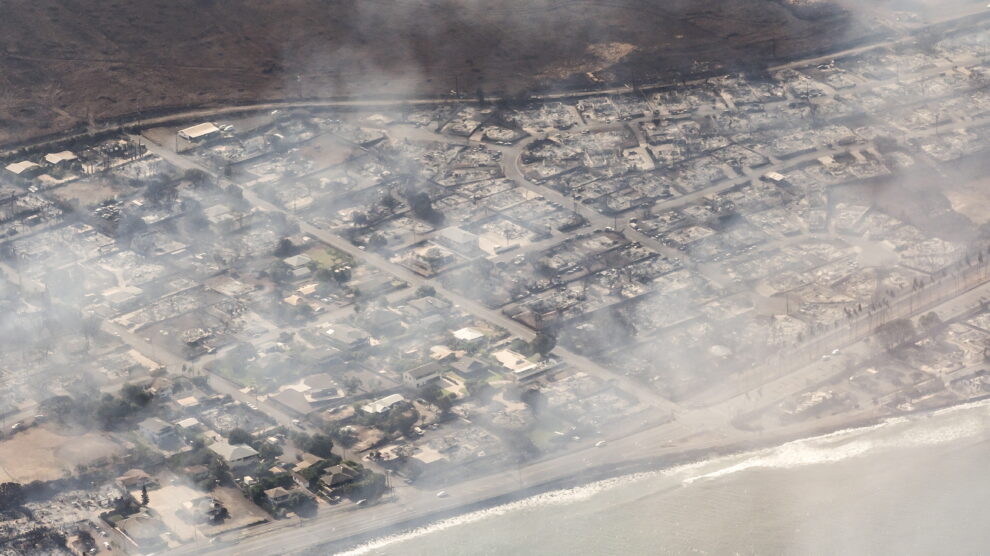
x: 442, y: 494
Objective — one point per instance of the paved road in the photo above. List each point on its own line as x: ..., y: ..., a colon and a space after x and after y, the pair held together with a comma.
x: 659, y: 440
x: 462, y: 302
x: 665, y: 439
x: 695, y: 429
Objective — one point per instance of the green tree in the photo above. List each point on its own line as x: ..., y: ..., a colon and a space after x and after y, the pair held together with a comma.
x: 267, y: 451
x: 543, y: 343
x: 324, y: 275
x: 219, y: 471
x: 342, y: 274
x: 367, y: 485
x: 144, y: 495
x: 318, y: 444
x: 402, y: 420
x: 321, y: 445
x: 239, y: 436
x: 285, y: 248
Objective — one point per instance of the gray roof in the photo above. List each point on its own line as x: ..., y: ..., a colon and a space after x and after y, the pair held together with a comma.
x: 424, y: 370
x: 338, y: 474
x: 297, y: 261
x: 277, y: 492
x: 232, y: 452
x: 294, y: 400
x: 320, y: 381
x: 154, y: 425
x: 346, y: 334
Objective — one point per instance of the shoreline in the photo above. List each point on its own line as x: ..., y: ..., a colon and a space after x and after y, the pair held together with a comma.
x: 706, y: 441
x: 604, y: 472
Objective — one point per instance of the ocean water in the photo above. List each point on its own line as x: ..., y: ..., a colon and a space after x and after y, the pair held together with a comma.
x: 912, y: 485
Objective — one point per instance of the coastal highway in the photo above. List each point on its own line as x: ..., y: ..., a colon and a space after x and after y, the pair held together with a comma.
x: 698, y: 428
x: 694, y: 428
x: 350, y: 520
x: 697, y: 433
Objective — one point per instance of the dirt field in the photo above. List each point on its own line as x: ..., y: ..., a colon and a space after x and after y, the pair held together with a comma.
x: 971, y: 199
x: 87, y: 192
x: 70, y: 62
x: 43, y: 454
x: 168, y: 501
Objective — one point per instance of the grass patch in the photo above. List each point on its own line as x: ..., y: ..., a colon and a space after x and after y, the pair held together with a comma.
x: 328, y: 257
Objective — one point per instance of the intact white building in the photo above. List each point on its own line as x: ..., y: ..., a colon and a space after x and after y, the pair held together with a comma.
x: 235, y: 455
x: 469, y: 335
x: 382, y: 405
x: 199, y: 132
x: 58, y: 158
x: 22, y: 168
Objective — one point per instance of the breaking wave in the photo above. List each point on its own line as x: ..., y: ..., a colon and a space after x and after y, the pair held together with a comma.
x: 552, y: 498
x: 937, y: 427
x: 920, y: 430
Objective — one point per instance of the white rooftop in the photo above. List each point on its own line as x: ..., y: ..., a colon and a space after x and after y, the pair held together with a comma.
x: 232, y: 452
x: 199, y: 130
x: 468, y: 334
x: 64, y: 156
x: 379, y: 406
x: 21, y: 167
x: 188, y: 423
x: 297, y: 261
x: 513, y: 361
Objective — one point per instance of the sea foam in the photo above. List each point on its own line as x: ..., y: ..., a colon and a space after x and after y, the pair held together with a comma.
x: 938, y: 427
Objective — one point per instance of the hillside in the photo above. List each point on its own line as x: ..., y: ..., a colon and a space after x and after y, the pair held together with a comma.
x: 66, y: 62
